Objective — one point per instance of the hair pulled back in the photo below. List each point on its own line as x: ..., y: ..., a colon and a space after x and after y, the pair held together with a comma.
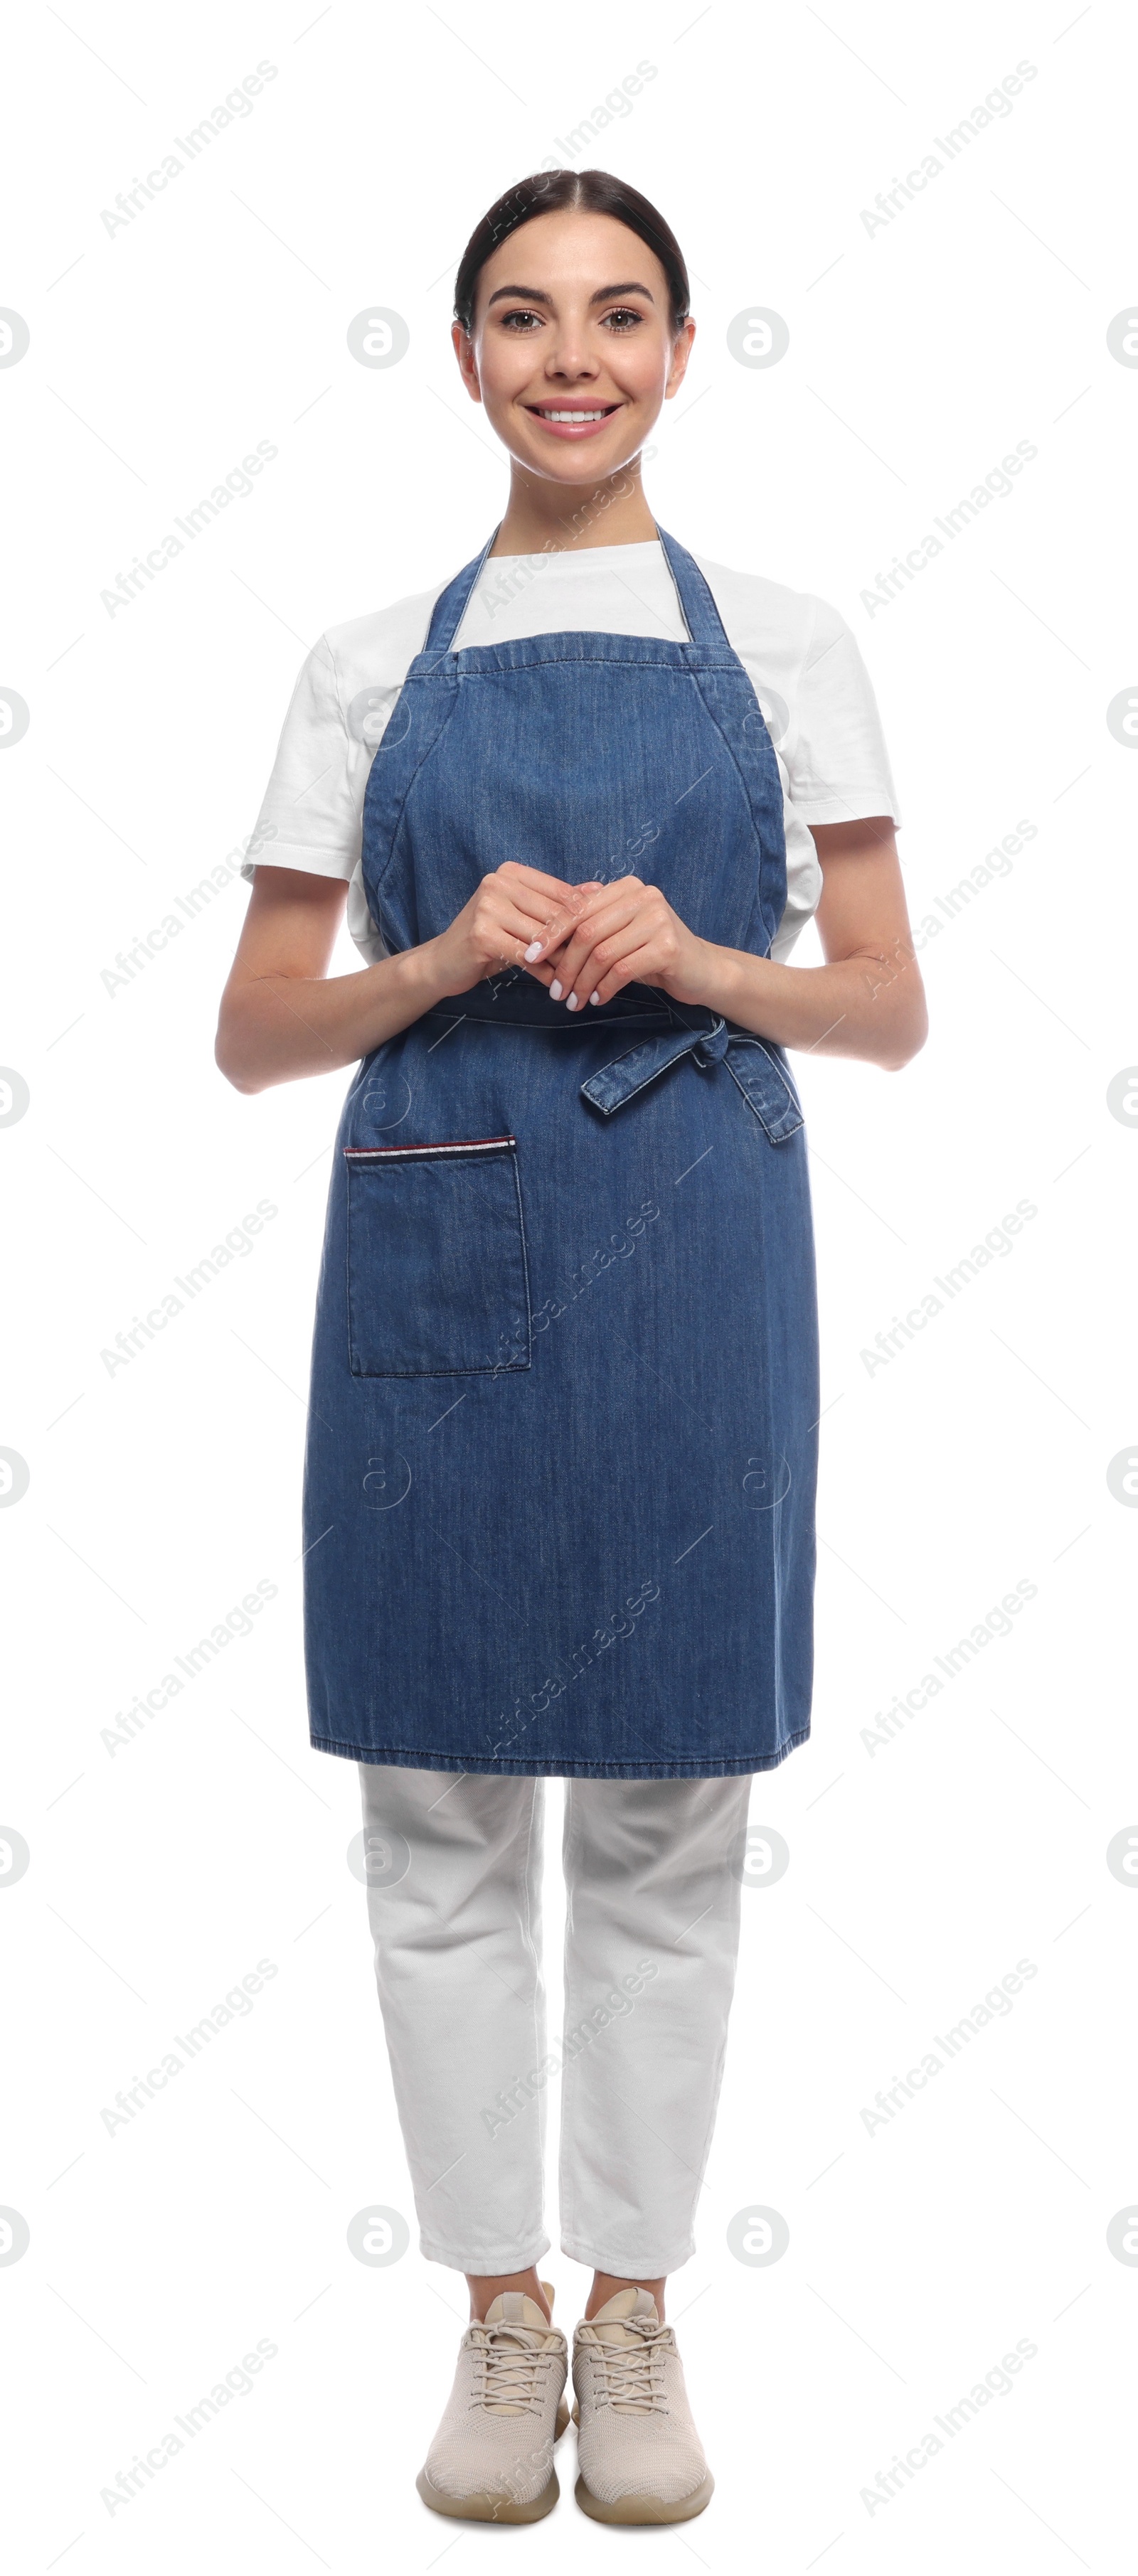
x: 596, y: 192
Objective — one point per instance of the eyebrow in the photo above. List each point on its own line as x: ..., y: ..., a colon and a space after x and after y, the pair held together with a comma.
x: 536, y: 294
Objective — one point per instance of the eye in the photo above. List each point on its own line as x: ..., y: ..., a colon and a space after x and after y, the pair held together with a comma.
x: 520, y: 319
x: 622, y: 315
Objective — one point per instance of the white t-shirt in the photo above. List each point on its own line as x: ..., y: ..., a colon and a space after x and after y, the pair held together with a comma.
x: 800, y: 655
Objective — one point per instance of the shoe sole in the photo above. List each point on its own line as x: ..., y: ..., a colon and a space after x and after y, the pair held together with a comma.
x: 644, y: 2508
x: 484, y: 2505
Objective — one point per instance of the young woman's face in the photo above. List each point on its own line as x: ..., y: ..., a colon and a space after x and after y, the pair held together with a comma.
x: 572, y: 351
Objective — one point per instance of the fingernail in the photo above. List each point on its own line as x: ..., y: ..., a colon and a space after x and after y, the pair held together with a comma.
x: 555, y: 990
x: 572, y: 1003
x: 534, y: 950
x: 594, y: 997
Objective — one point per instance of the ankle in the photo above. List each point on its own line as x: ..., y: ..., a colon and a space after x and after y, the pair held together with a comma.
x: 485, y: 2287
x: 606, y: 2285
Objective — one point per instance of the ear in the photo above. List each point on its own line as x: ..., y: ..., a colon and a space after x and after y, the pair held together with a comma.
x: 681, y: 352
x: 467, y: 362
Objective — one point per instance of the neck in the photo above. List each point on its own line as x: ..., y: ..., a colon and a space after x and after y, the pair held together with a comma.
x: 547, y: 517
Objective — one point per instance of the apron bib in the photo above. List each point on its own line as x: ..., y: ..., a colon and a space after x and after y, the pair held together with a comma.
x: 561, y: 1456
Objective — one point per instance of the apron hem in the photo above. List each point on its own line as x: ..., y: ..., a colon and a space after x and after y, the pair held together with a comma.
x: 396, y: 1757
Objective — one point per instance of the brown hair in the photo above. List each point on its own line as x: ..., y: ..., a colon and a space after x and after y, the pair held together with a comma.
x: 546, y: 192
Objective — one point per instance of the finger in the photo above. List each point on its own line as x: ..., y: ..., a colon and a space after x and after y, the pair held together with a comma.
x: 522, y: 879
x: 525, y: 940
x: 575, y: 972
x: 605, y: 911
x: 555, y: 944
x: 508, y: 936
x: 508, y: 941
x: 548, y: 914
x: 559, y: 923
x: 636, y: 966
x: 545, y: 908
x: 545, y: 922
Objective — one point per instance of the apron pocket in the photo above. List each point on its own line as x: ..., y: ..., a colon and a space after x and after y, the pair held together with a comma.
x: 437, y: 1278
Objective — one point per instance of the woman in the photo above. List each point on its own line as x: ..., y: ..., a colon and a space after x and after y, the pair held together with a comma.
x: 560, y: 1473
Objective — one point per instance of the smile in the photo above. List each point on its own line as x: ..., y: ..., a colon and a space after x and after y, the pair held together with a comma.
x: 572, y: 420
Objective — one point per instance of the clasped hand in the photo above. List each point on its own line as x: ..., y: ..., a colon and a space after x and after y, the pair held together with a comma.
x: 583, y: 942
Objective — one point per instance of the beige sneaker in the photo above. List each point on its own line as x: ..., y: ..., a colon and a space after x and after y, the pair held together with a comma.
x: 640, y: 2456
x: 492, y: 2457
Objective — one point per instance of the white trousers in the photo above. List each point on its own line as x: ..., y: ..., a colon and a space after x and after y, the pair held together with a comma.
x: 653, y: 1872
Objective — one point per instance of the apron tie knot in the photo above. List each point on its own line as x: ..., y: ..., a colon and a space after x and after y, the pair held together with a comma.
x: 757, y: 1067
x: 712, y: 1045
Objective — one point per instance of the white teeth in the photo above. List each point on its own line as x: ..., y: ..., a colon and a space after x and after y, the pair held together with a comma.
x: 573, y: 416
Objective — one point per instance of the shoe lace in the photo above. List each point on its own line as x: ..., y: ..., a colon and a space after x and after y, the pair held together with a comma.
x: 631, y: 2374
x: 512, y: 2371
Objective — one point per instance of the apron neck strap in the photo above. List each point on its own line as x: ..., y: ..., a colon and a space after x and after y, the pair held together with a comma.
x: 704, y: 624
x: 450, y: 606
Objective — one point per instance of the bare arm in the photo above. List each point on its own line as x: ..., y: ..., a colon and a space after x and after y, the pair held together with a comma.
x: 867, y: 1000
x: 283, y: 1016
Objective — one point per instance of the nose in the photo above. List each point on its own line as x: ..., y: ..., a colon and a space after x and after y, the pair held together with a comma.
x: 570, y: 356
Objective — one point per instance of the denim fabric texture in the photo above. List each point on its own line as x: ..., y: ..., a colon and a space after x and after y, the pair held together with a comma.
x: 562, y: 1440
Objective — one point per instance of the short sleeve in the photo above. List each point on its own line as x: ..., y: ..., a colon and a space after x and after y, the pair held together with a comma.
x: 837, y: 764
x: 311, y: 814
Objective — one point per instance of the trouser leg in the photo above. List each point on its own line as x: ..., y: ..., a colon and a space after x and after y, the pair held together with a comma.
x: 454, y: 1901
x: 652, y: 1934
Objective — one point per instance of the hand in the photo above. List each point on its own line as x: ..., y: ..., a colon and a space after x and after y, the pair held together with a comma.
x: 514, y: 917
x: 626, y: 933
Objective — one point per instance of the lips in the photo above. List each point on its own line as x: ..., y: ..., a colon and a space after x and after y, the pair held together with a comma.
x: 572, y: 420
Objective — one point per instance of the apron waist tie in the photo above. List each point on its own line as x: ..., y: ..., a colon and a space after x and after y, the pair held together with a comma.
x: 758, y: 1069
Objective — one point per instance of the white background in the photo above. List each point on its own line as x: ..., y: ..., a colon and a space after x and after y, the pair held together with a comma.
x: 921, y: 1870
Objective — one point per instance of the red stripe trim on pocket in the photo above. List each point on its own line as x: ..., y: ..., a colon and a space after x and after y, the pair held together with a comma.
x: 395, y: 1153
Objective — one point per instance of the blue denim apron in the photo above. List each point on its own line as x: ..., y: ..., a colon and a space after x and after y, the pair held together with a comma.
x: 560, y: 1471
